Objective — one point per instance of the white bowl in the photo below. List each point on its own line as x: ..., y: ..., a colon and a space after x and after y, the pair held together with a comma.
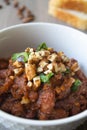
x: 71, y: 41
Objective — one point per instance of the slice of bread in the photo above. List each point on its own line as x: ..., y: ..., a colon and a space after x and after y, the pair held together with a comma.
x: 74, y: 18
x: 79, y: 5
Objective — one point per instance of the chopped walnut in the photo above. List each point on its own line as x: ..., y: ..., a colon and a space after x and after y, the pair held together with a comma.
x: 34, y: 57
x: 43, y: 63
x: 12, y: 77
x: 39, y: 69
x: 50, y: 49
x: 17, y: 64
x: 66, y: 84
x: 31, y: 50
x: 75, y: 67
x: 50, y: 66
x: 59, y: 67
x: 25, y: 100
x: 30, y: 70
x: 55, y: 66
x: 27, y: 49
x: 37, y: 54
x: 52, y: 57
x: 37, y: 81
x: 47, y: 71
x: 29, y: 84
x: 18, y: 71
x: 44, y: 53
x: 63, y: 56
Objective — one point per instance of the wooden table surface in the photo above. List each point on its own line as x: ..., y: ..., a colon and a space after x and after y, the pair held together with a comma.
x: 9, y: 17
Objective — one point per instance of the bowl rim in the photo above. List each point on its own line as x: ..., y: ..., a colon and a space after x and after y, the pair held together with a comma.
x: 20, y: 120
x: 40, y: 24
x: 39, y: 122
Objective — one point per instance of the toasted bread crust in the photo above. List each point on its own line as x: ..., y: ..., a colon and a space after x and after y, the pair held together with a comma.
x: 70, y: 19
x: 79, y: 5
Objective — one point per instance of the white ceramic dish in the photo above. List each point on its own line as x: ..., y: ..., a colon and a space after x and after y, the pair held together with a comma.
x: 71, y: 41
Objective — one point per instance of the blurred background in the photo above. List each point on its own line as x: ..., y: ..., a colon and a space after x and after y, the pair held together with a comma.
x: 10, y: 12
x: 13, y: 12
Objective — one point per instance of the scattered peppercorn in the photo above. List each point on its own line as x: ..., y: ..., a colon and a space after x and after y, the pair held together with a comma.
x: 22, y: 8
x: 1, y: 6
x: 7, y: 2
x: 28, y: 19
x: 16, y: 4
x: 28, y: 12
x: 23, y: 12
x: 20, y: 14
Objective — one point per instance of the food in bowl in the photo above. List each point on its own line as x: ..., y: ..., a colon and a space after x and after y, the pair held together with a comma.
x: 42, y: 84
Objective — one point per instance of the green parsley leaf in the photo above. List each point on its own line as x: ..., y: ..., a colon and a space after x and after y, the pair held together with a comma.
x: 24, y: 56
x: 76, y: 85
x: 42, y: 46
x: 45, y: 78
x: 67, y: 71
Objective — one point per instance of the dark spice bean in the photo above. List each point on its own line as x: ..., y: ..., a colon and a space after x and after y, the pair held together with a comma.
x: 16, y: 4
x: 28, y: 19
x: 1, y: 6
x: 7, y: 2
x: 20, y: 14
x: 28, y: 12
x: 22, y: 8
